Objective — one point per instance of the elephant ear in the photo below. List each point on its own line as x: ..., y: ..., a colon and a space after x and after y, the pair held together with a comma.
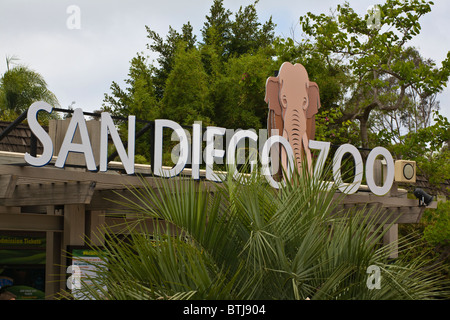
x: 314, y: 100
x: 272, y: 95
x: 306, y: 99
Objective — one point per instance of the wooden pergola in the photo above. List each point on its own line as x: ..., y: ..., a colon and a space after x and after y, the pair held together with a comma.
x: 71, y: 204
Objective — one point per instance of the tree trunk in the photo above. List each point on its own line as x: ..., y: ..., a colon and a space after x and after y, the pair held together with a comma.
x: 363, y: 132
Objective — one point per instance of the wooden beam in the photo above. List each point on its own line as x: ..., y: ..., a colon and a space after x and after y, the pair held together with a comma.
x: 7, y: 185
x: 46, y: 194
x: 385, y: 201
x: 110, y: 179
x: 400, y: 215
x: 369, y: 198
x: 103, y: 200
x: 30, y: 222
x: 406, y: 215
x: 9, y: 209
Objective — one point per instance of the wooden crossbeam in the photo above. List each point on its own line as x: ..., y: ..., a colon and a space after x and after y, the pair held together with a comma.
x: 45, y: 194
x: 77, y: 187
x: 107, y: 200
x: 386, y: 201
x: 31, y: 222
x: 401, y: 215
x: 61, y: 175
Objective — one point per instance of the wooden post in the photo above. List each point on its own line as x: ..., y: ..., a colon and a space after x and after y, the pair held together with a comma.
x: 391, y: 236
x: 54, y: 275
x: 391, y: 231
x: 74, y: 233
x: 74, y: 224
x: 94, y: 227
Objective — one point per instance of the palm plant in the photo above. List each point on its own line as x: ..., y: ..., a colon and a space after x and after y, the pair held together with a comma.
x: 245, y: 240
x: 20, y: 87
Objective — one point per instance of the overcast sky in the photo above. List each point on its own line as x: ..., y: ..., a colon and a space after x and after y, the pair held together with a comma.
x: 80, y: 64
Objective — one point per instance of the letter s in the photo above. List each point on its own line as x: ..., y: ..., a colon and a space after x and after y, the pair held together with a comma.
x: 40, y: 133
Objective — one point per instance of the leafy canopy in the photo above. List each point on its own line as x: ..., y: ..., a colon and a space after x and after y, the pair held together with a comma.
x: 378, y: 61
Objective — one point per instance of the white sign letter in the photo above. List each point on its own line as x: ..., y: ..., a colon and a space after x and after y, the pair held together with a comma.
x: 196, y: 149
x: 265, y: 159
x: 324, y: 148
x: 107, y: 125
x: 211, y: 152
x: 231, y: 151
x: 380, y: 191
x: 354, y: 186
x: 40, y: 133
x: 85, y: 146
x: 184, y: 148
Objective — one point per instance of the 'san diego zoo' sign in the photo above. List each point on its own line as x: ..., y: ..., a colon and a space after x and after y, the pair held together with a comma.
x: 293, y: 102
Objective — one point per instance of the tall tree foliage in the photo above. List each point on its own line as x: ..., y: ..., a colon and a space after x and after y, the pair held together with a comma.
x: 234, y: 51
x: 186, y: 96
x: 415, y: 113
x: 166, y: 50
x: 239, y: 92
x: 138, y: 99
x: 376, y: 58
x: 216, y: 31
x: 191, y: 80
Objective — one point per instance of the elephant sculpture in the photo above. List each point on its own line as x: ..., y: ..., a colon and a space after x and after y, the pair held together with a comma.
x: 293, y: 103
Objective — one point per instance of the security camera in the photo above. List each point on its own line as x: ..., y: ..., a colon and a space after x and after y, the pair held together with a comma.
x: 424, y: 198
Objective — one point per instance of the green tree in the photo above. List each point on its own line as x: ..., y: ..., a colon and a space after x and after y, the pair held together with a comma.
x: 216, y: 31
x: 186, y: 95
x: 437, y: 232
x: 196, y: 87
x: 248, y: 35
x: 415, y: 113
x: 19, y: 88
x: 375, y: 58
x: 244, y: 34
x: 239, y: 91
x: 429, y: 148
x: 138, y: 99
x: 166, y: 50
x: 432, y: 236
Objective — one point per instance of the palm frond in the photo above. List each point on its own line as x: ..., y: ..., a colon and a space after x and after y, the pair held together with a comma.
x: 238, y: 240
